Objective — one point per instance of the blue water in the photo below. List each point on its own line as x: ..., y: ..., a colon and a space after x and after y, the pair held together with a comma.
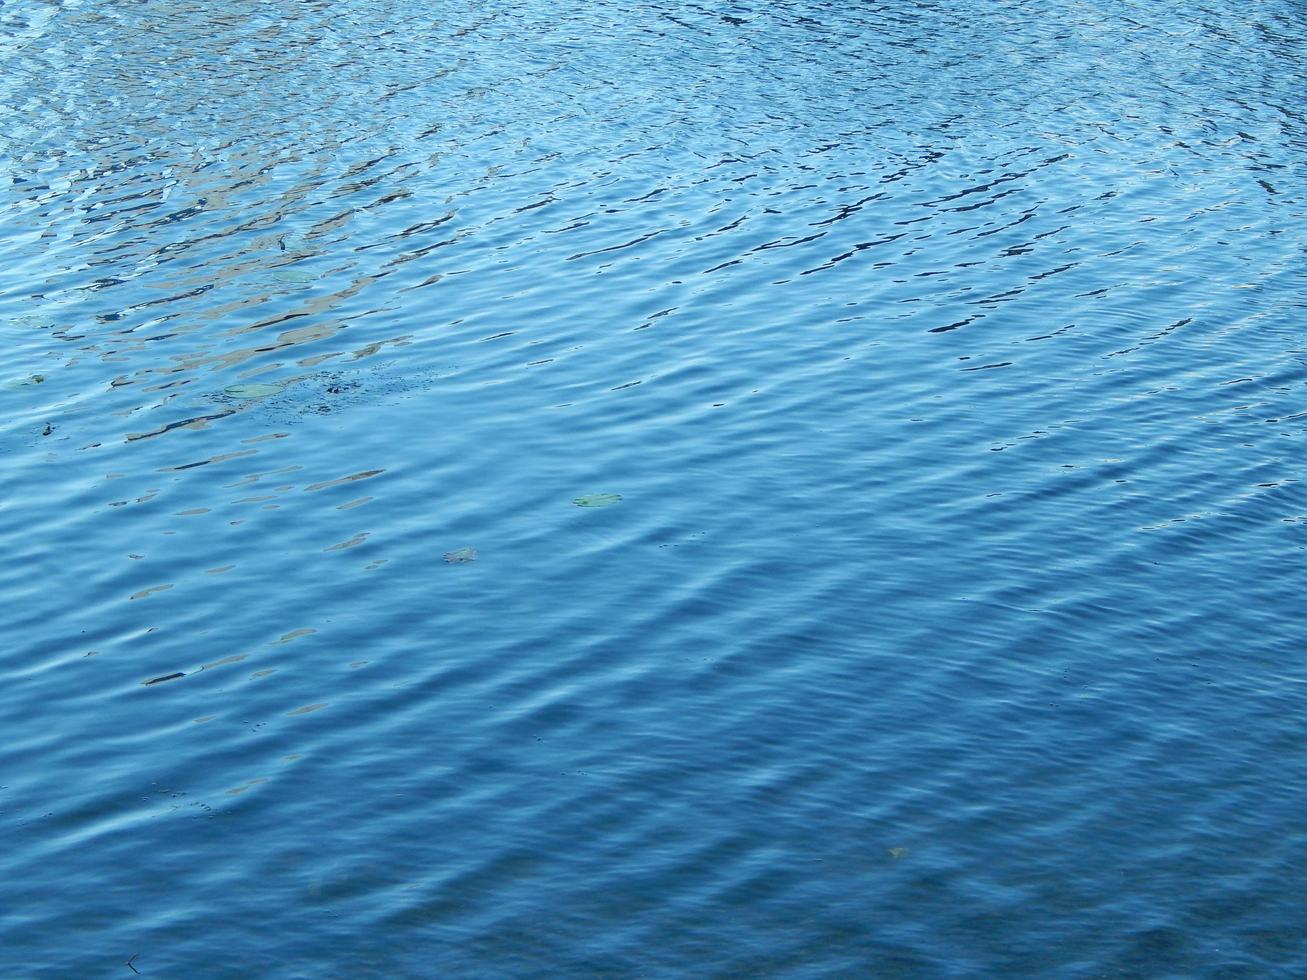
x: 949, y: 361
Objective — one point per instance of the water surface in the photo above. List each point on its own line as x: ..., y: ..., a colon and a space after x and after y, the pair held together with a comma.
x: 934, y: 379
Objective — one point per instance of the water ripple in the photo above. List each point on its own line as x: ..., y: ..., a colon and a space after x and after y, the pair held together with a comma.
x: 930, y: 378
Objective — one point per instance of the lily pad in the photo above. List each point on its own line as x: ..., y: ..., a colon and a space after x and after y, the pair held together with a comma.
x: 297, y: 277
x: 597, y: 499
x: 461, y: 557
x: 255, y: 389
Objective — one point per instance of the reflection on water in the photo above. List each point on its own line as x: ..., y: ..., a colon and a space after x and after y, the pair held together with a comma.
x: 601, y: 490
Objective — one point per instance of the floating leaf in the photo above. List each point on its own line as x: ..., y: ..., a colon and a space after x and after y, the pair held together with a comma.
x: 461, y: 557
x: 597, y: 499
x: 296, y: 277
x: 254, y: 389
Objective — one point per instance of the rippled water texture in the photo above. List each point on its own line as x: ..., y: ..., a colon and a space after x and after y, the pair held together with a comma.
x: 577, y: 489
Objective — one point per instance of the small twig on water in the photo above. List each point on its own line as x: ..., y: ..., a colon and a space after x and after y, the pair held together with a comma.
x: 129, y: 963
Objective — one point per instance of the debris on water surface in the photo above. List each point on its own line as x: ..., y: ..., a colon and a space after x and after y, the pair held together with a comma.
x: 597, y: 499
x: 898, y: 853
x: 31, y: 322
x: 235, y: 658
x: 461, y: 557
x: 146, y: 593
x: 297, y: 277
x: 296, y: 634
x: 353, y: 542
x: 160, y: 680
x: 254, y: 389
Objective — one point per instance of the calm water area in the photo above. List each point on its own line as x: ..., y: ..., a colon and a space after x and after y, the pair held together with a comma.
x: 657, y: 489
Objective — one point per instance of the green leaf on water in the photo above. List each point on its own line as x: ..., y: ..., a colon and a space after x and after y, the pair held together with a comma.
x: 255, y: 389
x: 597, y: 499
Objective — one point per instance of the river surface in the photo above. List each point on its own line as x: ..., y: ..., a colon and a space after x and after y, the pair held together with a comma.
x: 593, y: 489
